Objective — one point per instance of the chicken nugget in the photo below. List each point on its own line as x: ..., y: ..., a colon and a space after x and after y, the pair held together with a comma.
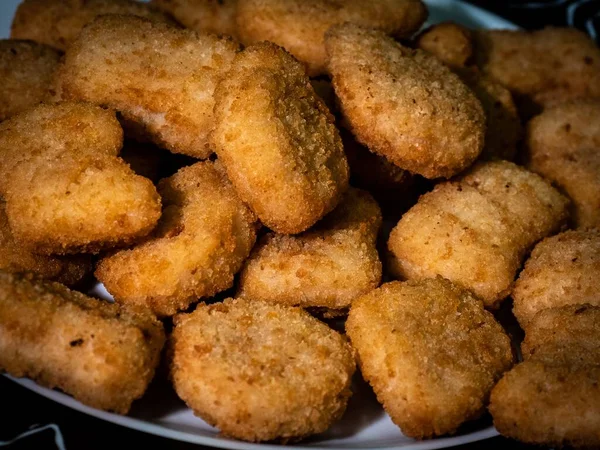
x: 548, y: 405
x: 542, y: 67
x: 476, y: 230
x: 201, y: 241
x: 299, y: 26
x: 57, y: 23
x: 160, y: 78
x: 431, y: 352
x: 26, y: 71
x: 404, y: 104
x: 278, y: 141
x: 65, y: 188
x: 327, y: 266
x: 204, y: 16
x: 567, y: 335
x: 259, y: 371
x: 102, y: 354
x: 562, y: 270
x: 563, y: 145
x: 448, y: 41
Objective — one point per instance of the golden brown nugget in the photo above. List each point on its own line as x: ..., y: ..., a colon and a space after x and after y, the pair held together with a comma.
x: 563, y: 145
x: 102, y: 354
x: 278, y: 141
x: 448, y: 41
x: 404, y: 104
x: 204, y: 16
x: 431, y: 352
x: 299, y: 26
x: 549, y: 405
x: 160, y: 78
x: 65, y: 188
x: 476, y: 230
x: 567, y: 335
x: 327, y: 266
x: 57, y: 23
x: 26, y: 71
x: 200, y: 243
x: 542, y: 67
x: 259, y: 371
x: 14, y: 258
x: 562, y: 270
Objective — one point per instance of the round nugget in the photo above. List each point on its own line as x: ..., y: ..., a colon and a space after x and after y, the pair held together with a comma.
x: 404, y: 104
x: 431, y: 352
x: 260, y: 372
x: 278, y: 141
x: 57, y: 23
x: 562, y: 270
x: 448, y: 41
x: 299, y: 26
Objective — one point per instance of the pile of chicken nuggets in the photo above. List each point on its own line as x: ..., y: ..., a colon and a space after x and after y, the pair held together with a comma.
x: 234, y: 172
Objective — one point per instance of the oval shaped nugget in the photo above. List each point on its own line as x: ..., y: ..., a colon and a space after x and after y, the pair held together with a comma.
x: 160, y: 78
x: 26, y: 71
x: 431, y: 352
x: 299, y: 25
x: 448, y: 41
x: 57, y: 23
x: 259, y: 371
x: 562, y: 270
x: 476, y: 230
x: 102, y: 354
x: 65, y: 188
x: 201, y: 241
x: 563, y: 145
x: 278, y: 141
x: 404, y: 104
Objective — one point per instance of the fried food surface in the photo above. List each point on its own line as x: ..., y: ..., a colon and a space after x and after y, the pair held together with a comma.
x: 299, y: 26
x: 204, y: 16
x: 476, y: 230
x: 26, y: 71
x: 259, y: 371
x: 430, y: 351
x: 327, y: 266
x: 278, y: 141
x: 201, y: 241
x: 563, y: 145
x: 404, y: 104
x: 449, y: 42
x: 57, y: 23
x: 160, y: 78
x: 100, y: 353
x: 66, y: 190
x: 562, y: 270
x: 548, y: 405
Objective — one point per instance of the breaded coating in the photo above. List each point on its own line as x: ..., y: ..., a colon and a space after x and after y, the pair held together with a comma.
x: 66, y: 190
x: 404, y: 104
x: 542, y: 67
x: 204, y: 16
x: 328, y: 266
x: 300, y: 25
x: 102, y: 354
x: 449, y: 42
x: 567, y: 335
x: 26, y: 71
x: 476, y: 230
x: 562, y: 270
x: 201, y: 241
x: 554, y: 406
x: 57, y: 23
x: 431, y: 352
x: 160, y: 78
x: 563, y: 145
x: 278, y: 141
x: 260, y: 372
x: 14, y: 258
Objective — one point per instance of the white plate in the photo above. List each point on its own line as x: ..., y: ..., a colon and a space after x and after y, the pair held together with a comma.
x: 365, y: 426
